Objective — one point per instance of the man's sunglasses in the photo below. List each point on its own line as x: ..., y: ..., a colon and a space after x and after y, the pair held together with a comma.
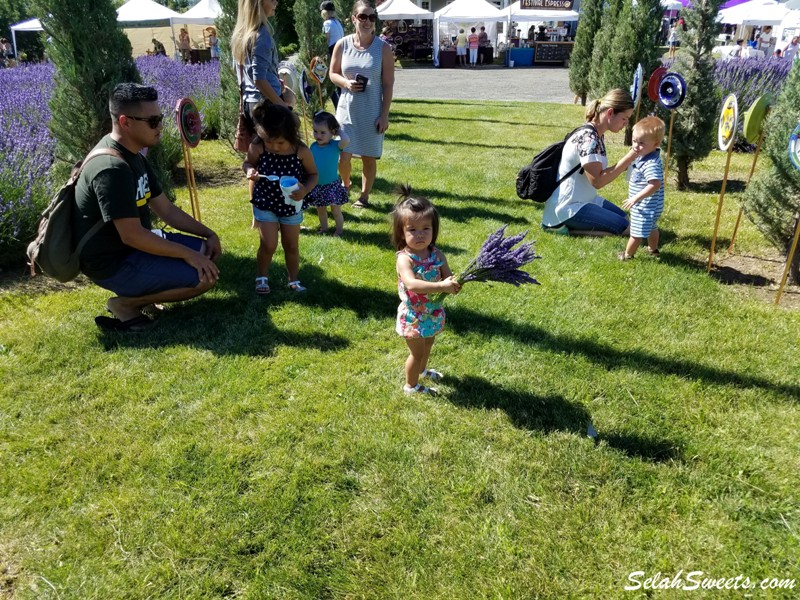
x: 363, y: 17
x: 153, y: 121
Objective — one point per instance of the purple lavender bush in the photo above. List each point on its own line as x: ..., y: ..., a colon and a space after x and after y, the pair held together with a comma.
x: 750, y: 78
x: 26, y: 154
x: 498, y: 261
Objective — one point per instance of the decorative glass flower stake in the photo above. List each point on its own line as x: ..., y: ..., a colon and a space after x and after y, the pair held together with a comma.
x: 498, y: 260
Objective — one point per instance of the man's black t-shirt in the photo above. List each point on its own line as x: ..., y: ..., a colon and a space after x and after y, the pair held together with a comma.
x: 109, y: 189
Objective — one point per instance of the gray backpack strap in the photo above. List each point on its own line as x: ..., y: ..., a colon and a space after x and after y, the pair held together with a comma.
x: 96, y: 227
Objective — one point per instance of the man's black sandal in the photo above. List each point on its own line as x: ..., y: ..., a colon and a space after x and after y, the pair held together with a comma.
x: 140, y: 323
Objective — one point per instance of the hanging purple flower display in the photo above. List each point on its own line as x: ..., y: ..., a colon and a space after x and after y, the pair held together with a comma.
x: 499, y: 261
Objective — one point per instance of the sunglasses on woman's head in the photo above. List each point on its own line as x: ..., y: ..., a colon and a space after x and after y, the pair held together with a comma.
x: 364, y: 16
x: 153, y: 121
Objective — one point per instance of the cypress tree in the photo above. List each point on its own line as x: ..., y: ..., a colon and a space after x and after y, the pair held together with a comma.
x: 580, y: 61
x: 228, y: 83
x: 694, y: 131
x: 602, y: 46
x: 772, y: 200
x: 92, y: 55
x: 636, y: 42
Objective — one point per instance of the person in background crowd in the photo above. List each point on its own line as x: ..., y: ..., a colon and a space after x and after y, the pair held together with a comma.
x: 541, y: 36
x: 158, y: 48
x: 672, y: 40
x: 790, y: 49
x: 765, y: 39
x: 334, y: 31
x: 213, y: 42
x: 483, y: 42
x: 472, y: 41
x: 184, y: 45
x: 778, y: 53
x: 461, y: 48
x: 363, y: 66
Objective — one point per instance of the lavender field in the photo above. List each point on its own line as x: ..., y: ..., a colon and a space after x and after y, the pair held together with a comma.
x: 27, y: 148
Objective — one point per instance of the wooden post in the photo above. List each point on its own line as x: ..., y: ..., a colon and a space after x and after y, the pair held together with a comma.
x: 749, y: 177
x: 719, y: 209
x: 194, y: 202
x: 789, y: 258
x: 305, y: 124
x: 669, y: 145
x: 638, y: 106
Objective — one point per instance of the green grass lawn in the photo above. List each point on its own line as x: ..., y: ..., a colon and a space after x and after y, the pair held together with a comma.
x: 262, y: 447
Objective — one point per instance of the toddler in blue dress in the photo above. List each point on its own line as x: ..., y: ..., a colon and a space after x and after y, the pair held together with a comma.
x: 329, y: 191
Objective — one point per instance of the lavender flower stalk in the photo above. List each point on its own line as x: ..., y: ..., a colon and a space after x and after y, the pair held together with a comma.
x: 498, y: 260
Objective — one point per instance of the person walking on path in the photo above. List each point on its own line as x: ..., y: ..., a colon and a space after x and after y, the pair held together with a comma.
x: 141, y: 266
x: 363, y: 67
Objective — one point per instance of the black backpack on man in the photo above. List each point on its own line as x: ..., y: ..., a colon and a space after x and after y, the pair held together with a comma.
x: 538, y: 180
x: 54, y: 250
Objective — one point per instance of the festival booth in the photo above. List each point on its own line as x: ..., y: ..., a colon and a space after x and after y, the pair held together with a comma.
x: 755, y: 13
x: 143, y: 20
x: 554, y: 50
x: 461, y: 14
x: 410, y: 40
x: 206, y: 13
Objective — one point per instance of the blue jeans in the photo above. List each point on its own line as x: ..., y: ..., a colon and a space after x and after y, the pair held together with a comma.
x: 592, y: 217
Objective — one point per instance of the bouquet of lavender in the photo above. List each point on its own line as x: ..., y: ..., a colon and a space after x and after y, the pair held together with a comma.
x: 498, y: 260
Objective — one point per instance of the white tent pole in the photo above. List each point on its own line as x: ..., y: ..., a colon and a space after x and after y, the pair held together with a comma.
x: 174, y: 43
x: 14, y: 41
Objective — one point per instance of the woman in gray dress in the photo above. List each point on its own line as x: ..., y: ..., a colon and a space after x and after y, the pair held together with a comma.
x: 363, y: 66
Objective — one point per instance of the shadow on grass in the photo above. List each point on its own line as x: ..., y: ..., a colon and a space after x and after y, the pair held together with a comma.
x: 426, y: 103
x: 552, y: 413
x: 459, y: 214
x: 410, y: 117
x: 733, y: 186
x: 237, y: 321
x: 725, y: 274
x: 404, y: 137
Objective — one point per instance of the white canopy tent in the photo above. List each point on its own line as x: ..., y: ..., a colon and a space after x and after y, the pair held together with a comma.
x: 395, y: 10
x: 466, y: 13
x: 29, y: 25
x: 204, y: 12
x: 754, y: 13
x: 143, y: 14
x: 671, y: 4
x: 146, y: 11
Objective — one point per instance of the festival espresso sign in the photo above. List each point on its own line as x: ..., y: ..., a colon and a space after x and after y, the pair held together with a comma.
x: 546, y: 4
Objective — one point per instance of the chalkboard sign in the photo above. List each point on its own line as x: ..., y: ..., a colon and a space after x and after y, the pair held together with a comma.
x: 553, y: 53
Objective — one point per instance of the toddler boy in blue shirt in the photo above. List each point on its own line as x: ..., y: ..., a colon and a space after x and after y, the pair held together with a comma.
x: 645, y: 187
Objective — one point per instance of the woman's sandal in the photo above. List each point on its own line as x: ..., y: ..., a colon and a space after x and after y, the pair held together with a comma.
x: 624, y: 256
x: 432, y: 374
x: 296, y: 286
x: 419, y: 389
x: 655, y: 252
x: 362, y: 203
x: 262, y: 286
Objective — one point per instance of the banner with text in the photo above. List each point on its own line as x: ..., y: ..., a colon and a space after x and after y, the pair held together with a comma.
x: 546, y: 4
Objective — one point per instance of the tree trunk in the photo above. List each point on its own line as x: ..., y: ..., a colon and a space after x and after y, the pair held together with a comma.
x: 683, y: 173
x: 583, y: 100
x: 628, y: 141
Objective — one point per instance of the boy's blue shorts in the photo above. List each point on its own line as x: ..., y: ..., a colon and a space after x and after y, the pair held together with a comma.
x: 142, y: 274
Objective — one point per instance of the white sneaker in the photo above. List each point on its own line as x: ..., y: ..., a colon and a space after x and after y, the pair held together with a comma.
x: 419, y: 389
x: 432, y: 374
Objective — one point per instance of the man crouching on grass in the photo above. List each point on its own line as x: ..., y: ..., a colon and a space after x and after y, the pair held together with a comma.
x: 141, y: 266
